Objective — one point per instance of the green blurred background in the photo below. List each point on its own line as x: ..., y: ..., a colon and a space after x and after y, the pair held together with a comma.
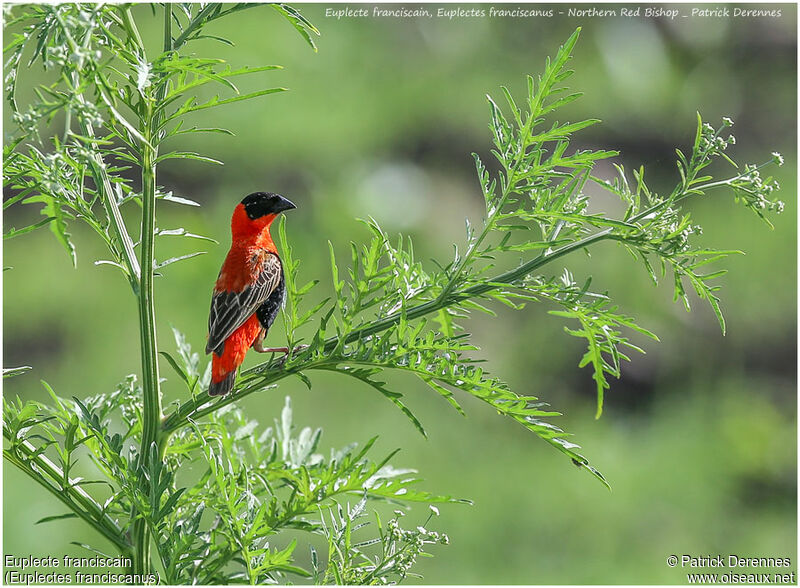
x: 698, y: 439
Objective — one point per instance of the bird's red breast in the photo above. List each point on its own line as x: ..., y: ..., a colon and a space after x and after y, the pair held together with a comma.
x: 249, y: 237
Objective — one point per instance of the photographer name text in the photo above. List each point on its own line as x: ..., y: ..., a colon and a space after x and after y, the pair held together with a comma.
x: 728, y: 561
x: 584, y: 12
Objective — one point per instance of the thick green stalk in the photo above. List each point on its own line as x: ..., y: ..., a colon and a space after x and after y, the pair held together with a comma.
x: 147, y: 330
x: 167, y: 29
x: 147, y: 316
x: 152, y: 413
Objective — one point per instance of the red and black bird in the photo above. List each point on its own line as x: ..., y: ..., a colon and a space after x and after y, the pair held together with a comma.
x: 249, y: 290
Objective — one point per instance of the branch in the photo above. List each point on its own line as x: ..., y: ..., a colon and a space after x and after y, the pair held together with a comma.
x: 271, y: 372
x: 73, y: 496
x: 195, y: 23
x: 103, y: 183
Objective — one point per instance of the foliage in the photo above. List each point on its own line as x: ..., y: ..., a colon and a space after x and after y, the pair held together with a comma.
x: 252, y: 485
x: 202, y: 485
x: 536, y: 207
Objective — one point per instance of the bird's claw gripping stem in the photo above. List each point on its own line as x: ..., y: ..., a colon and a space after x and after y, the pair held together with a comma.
x: 285, y: 350
x: 259, y: 348
x: 258, y: 345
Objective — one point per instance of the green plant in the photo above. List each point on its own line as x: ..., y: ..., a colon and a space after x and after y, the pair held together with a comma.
x: 120, y: 108
x: 215, y: 527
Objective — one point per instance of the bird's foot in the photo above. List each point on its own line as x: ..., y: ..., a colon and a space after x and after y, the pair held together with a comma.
x: 258, y: 346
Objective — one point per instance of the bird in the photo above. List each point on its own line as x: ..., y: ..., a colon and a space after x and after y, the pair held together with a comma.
x: 249, y: 290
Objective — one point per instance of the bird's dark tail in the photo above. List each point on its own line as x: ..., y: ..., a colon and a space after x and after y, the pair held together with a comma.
x: 222, y: 387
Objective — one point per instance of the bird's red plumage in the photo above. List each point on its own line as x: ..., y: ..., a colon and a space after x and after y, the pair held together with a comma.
x: 236, y: 347
x: 249, y: 237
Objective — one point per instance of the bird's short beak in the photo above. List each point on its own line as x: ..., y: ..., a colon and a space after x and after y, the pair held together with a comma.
x: 284, y: 204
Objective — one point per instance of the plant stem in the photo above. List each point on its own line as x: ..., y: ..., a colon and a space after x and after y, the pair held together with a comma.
x: 114, y: 215
x: 167, y: 27
x: 491, y: 221
x: 193, y: 408
x: 75, y: 497
x: 147, y: 326
x: 151, y: 386
x: 102, y: 182
x: 147, y: 317
x: 130, y: 28
x: 196, y: 22
x: 499, y: 281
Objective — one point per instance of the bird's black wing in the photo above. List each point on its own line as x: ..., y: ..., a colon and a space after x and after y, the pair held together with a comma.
x: 230, y: 310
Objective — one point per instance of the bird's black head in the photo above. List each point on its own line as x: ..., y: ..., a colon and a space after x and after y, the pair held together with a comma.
x: 260, y: 204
